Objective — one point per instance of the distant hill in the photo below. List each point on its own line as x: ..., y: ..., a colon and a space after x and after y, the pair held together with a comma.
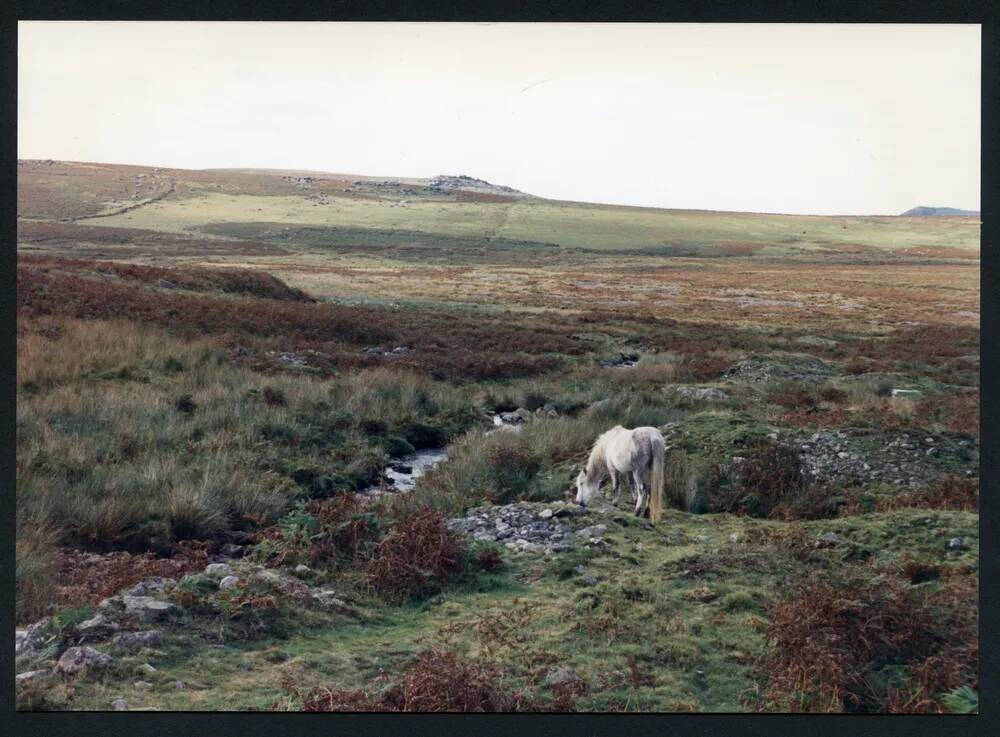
x: 263, y: 211
x: 938, y: 212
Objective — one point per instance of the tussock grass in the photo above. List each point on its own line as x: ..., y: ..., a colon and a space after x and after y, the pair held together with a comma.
x: 57, y: 351
x: 108, y: 459
x: 34, y: 574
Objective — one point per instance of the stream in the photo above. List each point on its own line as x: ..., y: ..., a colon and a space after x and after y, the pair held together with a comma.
x: 402, y: 473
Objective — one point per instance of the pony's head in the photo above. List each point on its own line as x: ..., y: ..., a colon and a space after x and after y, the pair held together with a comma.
x: 584, y: 489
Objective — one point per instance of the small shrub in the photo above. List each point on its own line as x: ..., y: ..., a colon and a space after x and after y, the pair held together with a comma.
x: 437, y: 680
x: 421, y: 435
x: 832, y: 394
x: 866, y: 643
x: 185, y: 404
x: 702, y: 366
x: 488, y: 558
x: 273, y: 397
x: 397, y: 447
x: 416, y: 559
x: 534, y: 400
x: 373, y: 427
x: 738, y: 601
x: 35, y: 588
x: 88, y: 578
x: 962, y: 700
x: 769, y: 474
x: 333, y: 531
x: 173, y: 365
x: 947, y: 493
x: 793, y: 395
x: 684, y: 483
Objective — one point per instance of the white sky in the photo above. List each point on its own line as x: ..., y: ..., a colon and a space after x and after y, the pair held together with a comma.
x: 825, y: 119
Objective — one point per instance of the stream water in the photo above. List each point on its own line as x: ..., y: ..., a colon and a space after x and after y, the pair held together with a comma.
x: 404, y: 472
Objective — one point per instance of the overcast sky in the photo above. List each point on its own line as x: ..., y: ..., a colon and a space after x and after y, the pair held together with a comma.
x: 848, y: 119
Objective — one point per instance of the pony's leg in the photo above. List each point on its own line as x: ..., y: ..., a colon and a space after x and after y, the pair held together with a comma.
x: 614, y: 486
x: 639, y: 492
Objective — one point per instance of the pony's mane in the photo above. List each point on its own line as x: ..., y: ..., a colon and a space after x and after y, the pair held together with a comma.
x: 596, y: 455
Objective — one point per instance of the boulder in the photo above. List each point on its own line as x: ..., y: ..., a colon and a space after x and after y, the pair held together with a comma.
x: 29, y: 641
x: 99, y: 627
x: 699, y: 393
x: 594, y: 531
x: 136, y: 640
x: 154, y: 586
x: 828, y: 540
x: 30, y: 675
x: 78, y: 659
x: 119, y: 705
x: 228, y: 582
x: 561, y: 675
x: 218, y: 571
x: 147, y: 607
x: 280, y: 583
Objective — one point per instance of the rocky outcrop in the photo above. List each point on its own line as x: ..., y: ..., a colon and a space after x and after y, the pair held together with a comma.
x: 78, y: 660
x: 785, y: 367
x: 697, y: 393
x: 860, y: 456
x: 523, y: 527
x: 136, y: 640
x: 29, y: 642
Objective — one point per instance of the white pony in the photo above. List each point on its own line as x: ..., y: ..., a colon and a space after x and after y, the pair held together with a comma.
x: 619, y: 451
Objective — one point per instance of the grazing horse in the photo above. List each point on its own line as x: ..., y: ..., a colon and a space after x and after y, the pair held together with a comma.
x: 619, y: 451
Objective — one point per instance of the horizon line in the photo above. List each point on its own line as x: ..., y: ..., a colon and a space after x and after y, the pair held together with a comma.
x: 977, y: 212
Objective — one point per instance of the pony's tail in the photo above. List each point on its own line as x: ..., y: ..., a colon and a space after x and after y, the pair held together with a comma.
x: 656, y: 499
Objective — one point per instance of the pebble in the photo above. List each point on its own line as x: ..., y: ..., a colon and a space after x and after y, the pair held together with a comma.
x: 29, y: 675
x: 218, y: 570
x: 828, y: 540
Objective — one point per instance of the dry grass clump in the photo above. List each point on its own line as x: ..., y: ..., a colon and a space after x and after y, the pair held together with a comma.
x: 88, y: 578
x: 437, y: 680
x: 416, y: 558
x: 703, y: 366
x: 767, y: 475
x: 34, y: 574
x: 958, y: 413
x: 946, y: 493
x: 869, y: 643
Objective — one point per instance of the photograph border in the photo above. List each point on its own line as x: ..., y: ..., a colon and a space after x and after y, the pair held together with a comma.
x: 83, y: 724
